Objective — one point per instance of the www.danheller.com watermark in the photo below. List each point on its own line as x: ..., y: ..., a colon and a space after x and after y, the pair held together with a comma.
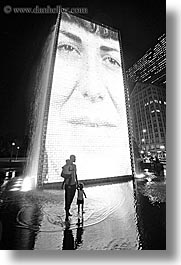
x: 44, y: 10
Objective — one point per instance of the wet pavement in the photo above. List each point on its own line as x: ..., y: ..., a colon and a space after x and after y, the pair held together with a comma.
x: 117, y: 216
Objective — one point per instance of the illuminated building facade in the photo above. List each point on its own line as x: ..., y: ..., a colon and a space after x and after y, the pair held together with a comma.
x: 151, y: 68
x: 148, y: 108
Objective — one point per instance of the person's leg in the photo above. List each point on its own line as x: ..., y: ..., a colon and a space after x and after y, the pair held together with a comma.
x: 63, y: 184
x: 66, y: 202
x: 82, y: 207
x: 67, y: 198
x: 71, y: 194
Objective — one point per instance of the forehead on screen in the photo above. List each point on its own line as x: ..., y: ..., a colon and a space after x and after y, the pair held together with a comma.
x: 101, y: 31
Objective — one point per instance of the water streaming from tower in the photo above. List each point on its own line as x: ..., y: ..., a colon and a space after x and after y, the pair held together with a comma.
x: 41, y: 89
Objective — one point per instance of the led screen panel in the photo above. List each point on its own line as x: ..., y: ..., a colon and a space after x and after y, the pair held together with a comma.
x: 87, y: 111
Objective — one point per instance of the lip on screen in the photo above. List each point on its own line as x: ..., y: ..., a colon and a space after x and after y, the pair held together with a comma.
x: 84, y: 121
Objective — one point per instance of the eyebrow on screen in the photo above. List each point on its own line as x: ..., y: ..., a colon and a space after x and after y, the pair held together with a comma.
x: 108, y: 49
x: 78, y: 40
x: 71, y: 36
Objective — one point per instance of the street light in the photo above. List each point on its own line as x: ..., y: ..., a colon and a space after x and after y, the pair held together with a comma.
x: 12, y: 146
x: 143, y: 139
x: 17, y: 150
x: 162, y: 148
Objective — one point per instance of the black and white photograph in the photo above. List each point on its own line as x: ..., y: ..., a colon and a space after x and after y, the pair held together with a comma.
x: 83, y: 103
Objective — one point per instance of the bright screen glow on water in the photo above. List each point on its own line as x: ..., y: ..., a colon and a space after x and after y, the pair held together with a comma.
x: 87, y: 111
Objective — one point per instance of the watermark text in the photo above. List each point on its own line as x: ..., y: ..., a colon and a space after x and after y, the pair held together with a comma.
x: 44, y: 10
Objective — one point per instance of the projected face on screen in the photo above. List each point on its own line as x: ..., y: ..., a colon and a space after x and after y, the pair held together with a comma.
x: 87, y: 112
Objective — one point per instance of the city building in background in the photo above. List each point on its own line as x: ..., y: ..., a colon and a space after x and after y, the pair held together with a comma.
x: 146, y: 80
x: 151, y: 67
x: 148, y: 111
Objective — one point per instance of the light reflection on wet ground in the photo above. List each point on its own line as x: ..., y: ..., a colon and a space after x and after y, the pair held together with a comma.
x: 151, y: 213
x: 109, y: 216
x: 36, y: 219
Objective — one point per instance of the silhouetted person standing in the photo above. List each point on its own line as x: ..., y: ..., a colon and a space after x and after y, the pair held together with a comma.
x: 70, y: 186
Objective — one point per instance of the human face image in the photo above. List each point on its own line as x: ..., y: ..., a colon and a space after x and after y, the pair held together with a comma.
x: 87, y: 112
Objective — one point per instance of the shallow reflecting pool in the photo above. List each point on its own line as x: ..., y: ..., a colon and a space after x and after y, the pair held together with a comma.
x: 116, y: 217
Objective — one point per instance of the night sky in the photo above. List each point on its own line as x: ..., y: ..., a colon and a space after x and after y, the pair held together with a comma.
x: 140, y: 22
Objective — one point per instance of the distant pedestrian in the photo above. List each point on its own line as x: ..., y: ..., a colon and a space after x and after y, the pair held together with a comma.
x: 80, y: 197
x: 151, y: 159
x: 158, y: 167
x: 152, y: 163
x: 157, y: 159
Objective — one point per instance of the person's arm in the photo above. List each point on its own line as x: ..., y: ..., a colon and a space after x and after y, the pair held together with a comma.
x: 76, y: 175
x: 84, y: 194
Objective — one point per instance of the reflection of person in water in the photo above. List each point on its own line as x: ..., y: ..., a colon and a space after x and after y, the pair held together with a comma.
x: 87, y: 114
x: 68, y: 240
x: 79, y: 234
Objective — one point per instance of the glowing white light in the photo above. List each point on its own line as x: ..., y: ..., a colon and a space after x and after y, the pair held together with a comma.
x: 139, y: 176
x: 19, y: 179
x: 14, y: 189
x: 13, y: 174
x: 149, y: 179
x: 28, y: 184
x: 147, y: 173
x: 17, y: 185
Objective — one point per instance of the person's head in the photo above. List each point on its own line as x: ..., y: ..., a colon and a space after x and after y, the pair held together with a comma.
x: 81, y: 186
x: 72, y: 158
x: 87, y: 113
x: 67, y: 161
